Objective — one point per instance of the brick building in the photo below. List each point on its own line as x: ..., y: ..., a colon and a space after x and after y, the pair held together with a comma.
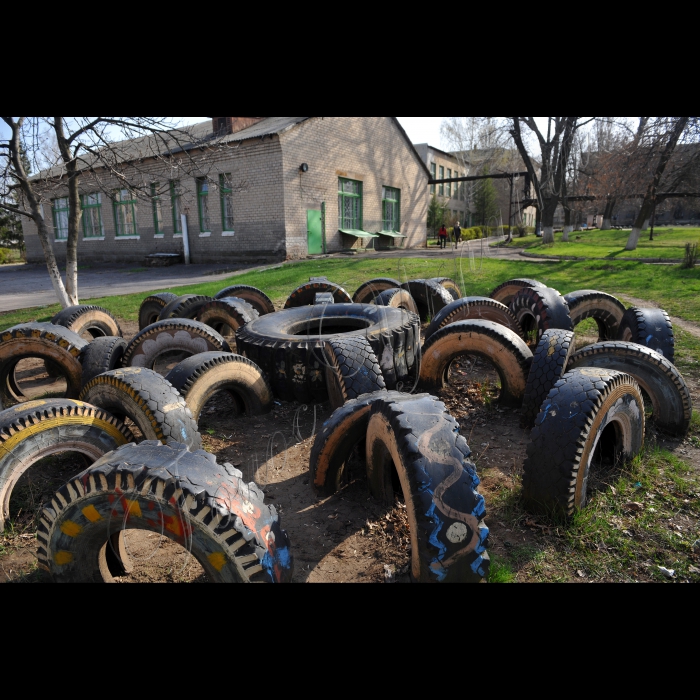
x: 250, y: 187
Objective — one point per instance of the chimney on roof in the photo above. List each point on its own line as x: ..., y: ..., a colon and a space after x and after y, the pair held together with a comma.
x: 230, y: 125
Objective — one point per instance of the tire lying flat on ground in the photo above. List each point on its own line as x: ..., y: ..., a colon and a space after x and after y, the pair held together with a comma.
x: 419, y: 442
x: 102, y: 355
x: 175, y: 335
x: 369, y: 291
x: 199, y: 378
x: 39, y: 429
x: 306, y: 294
x: 95, y: 320
x: 539, y: 309
x: 187, y: 306
x: 588, y: 407
x: 606, y: 310
x: 651, y: 328
x: 490, y: 341
x: 450, y: 285
x: 475, y: 309
x: 663, y: 383
x: 509, y: 290
x: 152, y: 307
x: 257, y: 299
x: 549, y: 365
x: 430, y: 297
x: 227, y: 315
x: 397, y: 299
x: 151, y: 402
x: 187, y: 497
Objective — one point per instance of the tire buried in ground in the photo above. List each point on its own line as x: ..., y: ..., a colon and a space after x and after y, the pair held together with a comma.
x: 227, y: 315
x: 152, y: 307
x: 414, y: 449
x: 474, y: 309
x: 430, y: 297
x: 39, y: 429
x: 95, y: 320
x: 651, y: 328
x: 397, y: 299
x: 662, y: 382
x: 539, y: 309
x: 369, y: 291
x: 257, y: 299
x: 490, y: 341
x: 509, y: 290
x: 187, y: 306
x: 200, y: 378
x: 586, y: 409
x: 147, y: 399
x: 305, y: 295
x: 102, y: 355
x: 604, y: 309
x: 208, y: 509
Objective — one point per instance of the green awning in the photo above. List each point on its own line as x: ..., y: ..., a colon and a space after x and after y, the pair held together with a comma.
x: 358, y: 234
x: 391, y: 234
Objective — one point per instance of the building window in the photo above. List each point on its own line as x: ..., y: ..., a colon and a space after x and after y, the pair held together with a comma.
x: 391, y: 208
x: 176, y: 204
x: 125, y: 213
x: 157, y: 209
x: 226, y: 189
x: 92, y: 215
x: 61, y: 210
x: 449, y: 184
x: 433, y: 176
x: 350, y: 204
x: 441, y: 189
x: 203, y: 202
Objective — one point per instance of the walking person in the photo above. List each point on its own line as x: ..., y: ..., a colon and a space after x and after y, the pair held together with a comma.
x: 443, y: 237
x: 458, y: 234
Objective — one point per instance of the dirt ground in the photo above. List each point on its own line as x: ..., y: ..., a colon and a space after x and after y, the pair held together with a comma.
x: 348, y: 538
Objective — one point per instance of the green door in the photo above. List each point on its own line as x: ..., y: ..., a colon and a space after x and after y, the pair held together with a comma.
x: 315, y: 232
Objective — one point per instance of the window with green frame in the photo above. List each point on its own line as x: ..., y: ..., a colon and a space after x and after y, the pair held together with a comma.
x: 92, y: 215
x: 157, y: 209
x: 203, y: 203
x: 226, y: 189
x: 61, y: 211
x: 433, y: 176
x: 349, y: 204
x: 176, y: 203
x: 442, y: 177
x: 449, y: 184
x: 125, y: 213
x: 391, y: 208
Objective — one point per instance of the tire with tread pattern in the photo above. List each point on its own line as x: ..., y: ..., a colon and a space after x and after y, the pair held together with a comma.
x: 369, y: 291
x: 651, y: 328
x: 419, y: 442
x: 397, y: 299
x: 206, y: 508
x: 586, y: 408
x: 187, y: 306
x: 663, y: 383
x: 475, y: 309
x: 227, y: 313
x: 305, y: 295
x: 604, y: 309
x: 539, y: 309
x: 450, y: 285
x: 102, y: 355
x: 430, y: 297
x: 257, y: 299
x: 152, y: 307
x: 509, y: 290
x: 95, y: 320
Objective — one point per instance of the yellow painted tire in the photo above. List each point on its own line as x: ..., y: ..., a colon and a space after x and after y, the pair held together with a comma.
x: 95, y: 320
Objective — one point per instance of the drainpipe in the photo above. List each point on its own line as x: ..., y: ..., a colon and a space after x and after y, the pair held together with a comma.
x: 186, y: 239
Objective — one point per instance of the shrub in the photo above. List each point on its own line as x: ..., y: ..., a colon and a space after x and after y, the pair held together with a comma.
x: 691, y: 256
x: 5, y: 256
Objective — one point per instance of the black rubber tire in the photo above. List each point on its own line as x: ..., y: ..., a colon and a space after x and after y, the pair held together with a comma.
x: 95, y: 320
x: 151, y: 402
x: 549, y: 365
x: 474, y: 309
x: 568, y: 429
x: 430, y: 297
x: 175, y: 335
x: 257, y: 299
x: 152, y: 307
x: 539, y: 309
x: 186, y: 306
x: 54, y: 344
x: 341, y: 443
x: 352, y: 370
x: 509, y: 290
x: 485, y: 339
x: 187, y: 497
x: 305, y: 295
x: 369, y: 291
x: 41, y: 429
x: 651, y: 328
x: 323, y: 299
x: 200, y: 377
x: 439, y: 485
x: 663, y: 383
x: 450, y: 285
x: 227, y: 315
x: 397, y: 299
x: 102, y: 355
x: 606, y: 310
x: 288, y: 345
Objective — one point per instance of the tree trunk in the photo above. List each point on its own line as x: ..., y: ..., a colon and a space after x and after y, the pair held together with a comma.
x: 51, y: 264
x: 568, y: 228
x: 646, y: 225
x: 633, y: 241
x: 608, y: 213
x: 550, y: 209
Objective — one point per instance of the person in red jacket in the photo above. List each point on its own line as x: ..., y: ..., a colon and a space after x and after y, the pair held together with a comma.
x: 443, y: 237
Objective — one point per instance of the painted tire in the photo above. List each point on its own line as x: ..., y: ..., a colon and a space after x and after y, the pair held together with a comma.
x: 509, y: 290
x: 187, y: 306
x: 88, y: 319
x: 567, y: 431
x: 474, y: 309
x: 663, y: 383
x: 257, y: 299
x: 369, y: 291
x: 149, y: 401
x: 352, y: 370
x: 539, y: 309
x: 152, y: 307
x: 340, y: 444
x: 306, y: 294
x: 450, y: 285
x: 606, y: 310
x: 651, y: 328
x: 439, y: 485
x: 549, y: 365
x: 39, y: 429
x: 227, y: 313
x: 397, y: 299
x: 430, y: 297
x: 187, y: 497
x: 180, y: 335
x: 102, y: 355
x: 490, y: 341
x: 199, y: 378
x: 288, y: 345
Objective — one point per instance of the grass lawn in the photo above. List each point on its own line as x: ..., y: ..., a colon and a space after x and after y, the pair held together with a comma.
x: 668, y: 244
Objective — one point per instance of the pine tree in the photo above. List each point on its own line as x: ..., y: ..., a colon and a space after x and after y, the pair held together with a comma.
x: 486, y: 201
